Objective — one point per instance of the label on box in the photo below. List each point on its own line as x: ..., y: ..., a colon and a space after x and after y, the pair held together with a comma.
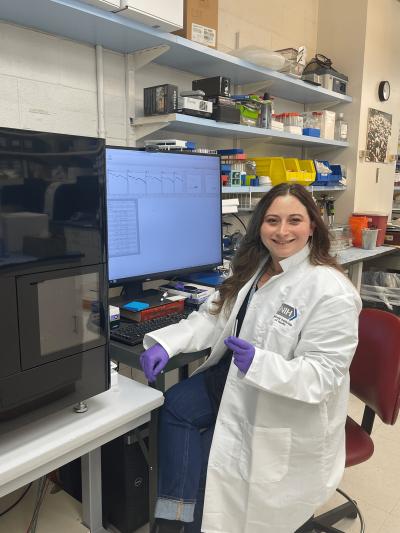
x: 195, y: 104
x: 204, y: 35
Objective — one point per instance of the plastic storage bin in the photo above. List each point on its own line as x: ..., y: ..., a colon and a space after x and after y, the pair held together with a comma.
x: 331, y: 178
x: 308, y: 168
x: 381, y: 290
x: 282, y: 170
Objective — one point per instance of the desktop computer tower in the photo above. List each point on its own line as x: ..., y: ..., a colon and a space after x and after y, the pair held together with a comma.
x: 125, y: 483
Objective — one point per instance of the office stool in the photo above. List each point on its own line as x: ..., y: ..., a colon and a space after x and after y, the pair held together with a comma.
x: 375, y: 380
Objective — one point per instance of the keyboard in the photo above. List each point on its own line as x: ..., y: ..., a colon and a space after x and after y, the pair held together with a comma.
x: 132, y: 333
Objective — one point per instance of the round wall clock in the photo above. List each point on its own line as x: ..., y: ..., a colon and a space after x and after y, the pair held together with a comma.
x: 384, y: 91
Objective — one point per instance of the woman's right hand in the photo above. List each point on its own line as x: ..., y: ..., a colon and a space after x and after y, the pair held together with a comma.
x: 153, y: 361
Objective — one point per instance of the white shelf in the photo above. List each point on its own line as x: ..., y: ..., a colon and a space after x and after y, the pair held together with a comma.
x: 203, y: 126
x: 85, y: 23
x: 397, y: 187
x: 266, y: 188
x: 245, y: 189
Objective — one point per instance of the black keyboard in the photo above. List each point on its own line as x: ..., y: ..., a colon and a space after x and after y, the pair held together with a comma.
x: 133, y: 332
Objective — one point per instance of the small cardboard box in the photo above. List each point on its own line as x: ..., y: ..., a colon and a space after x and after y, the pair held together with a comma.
x: 200, y: 22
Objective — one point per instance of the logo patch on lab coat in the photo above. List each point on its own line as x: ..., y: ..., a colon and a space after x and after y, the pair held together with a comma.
x: 285, y: 315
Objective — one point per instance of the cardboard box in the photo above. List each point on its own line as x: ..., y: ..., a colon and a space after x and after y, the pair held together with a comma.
x: 200, y: 22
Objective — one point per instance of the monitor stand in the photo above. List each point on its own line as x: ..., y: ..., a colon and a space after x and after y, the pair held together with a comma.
x: 134, y: 291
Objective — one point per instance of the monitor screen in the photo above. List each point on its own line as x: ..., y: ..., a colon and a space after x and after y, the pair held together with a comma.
x: 164, y: 213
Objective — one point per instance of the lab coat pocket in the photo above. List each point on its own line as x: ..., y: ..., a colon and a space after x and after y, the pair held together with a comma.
x: 265, y: 453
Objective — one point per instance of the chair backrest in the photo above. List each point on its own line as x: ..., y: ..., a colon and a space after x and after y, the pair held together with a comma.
x: 375, y: 369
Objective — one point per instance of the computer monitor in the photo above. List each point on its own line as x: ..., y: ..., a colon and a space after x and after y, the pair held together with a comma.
x: 164, y: 214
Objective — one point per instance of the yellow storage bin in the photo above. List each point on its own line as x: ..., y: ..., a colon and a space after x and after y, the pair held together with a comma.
x: 278, y: 169
x: 288, y: 170
x: 309, y: 173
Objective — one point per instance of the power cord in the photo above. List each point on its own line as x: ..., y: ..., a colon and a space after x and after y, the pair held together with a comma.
x: 41, y: 493
x: 17, y: 502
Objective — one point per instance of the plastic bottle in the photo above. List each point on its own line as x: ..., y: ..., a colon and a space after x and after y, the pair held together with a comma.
x: 266, y: 112
x: 340, y: 128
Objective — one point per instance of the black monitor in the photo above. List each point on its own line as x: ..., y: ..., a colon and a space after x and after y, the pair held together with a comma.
x: 164, y: 214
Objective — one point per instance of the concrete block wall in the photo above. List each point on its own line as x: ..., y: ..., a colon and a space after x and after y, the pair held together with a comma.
x: 49, y: 83
x: 272, y: 24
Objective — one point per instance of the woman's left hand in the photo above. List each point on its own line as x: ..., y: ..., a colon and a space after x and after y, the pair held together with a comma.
x: 243, y: 352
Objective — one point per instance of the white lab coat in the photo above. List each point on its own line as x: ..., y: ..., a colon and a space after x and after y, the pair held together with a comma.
x: 278, y: 450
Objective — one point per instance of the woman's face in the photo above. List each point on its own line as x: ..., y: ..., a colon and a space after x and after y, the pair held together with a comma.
x: 286, y: 227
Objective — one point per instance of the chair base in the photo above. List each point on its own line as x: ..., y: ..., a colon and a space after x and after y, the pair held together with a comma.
x: 324, y: 523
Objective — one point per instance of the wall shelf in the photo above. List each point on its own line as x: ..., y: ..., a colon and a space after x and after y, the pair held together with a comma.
x: 201, y: 126
x: 88, y: 24
x: 266, y: 188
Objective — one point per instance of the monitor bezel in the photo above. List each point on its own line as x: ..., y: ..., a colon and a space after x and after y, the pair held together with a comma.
x: 168, y: 274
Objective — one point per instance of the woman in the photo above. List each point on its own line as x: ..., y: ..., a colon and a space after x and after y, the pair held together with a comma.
x: 278, y: 449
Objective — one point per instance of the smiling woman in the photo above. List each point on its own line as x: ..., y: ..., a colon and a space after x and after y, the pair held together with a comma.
x: 257, y: 418
x: 286, y: 228
x: 272, y: 235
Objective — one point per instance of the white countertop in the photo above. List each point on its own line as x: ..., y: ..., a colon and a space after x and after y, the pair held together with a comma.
x: 32, y: 446
x: 354, y: 255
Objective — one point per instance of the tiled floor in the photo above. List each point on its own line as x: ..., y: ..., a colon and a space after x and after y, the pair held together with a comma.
x: 375, y: 485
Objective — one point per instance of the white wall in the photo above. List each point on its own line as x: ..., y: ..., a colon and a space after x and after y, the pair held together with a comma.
x: 362, y: 37
x: 49, y: 83
x: 341, y: 36
x: 273, y: 24
x: 382, y: 53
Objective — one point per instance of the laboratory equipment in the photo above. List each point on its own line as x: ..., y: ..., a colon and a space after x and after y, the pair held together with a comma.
x: 330, y: 210
x: 320, y: 71
x: 164, y: 215
x: 53, y: 285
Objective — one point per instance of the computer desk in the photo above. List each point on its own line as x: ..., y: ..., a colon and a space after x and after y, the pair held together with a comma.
x: 130, y: 356
x: 34, y: 444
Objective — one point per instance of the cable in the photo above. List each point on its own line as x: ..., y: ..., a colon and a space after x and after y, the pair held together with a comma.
x: 41, y: 492
x: 239, y: 219
x: 17, y: 502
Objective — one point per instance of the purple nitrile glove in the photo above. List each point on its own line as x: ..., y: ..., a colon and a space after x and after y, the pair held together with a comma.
x: 243, y: 352
x: 153, y: 361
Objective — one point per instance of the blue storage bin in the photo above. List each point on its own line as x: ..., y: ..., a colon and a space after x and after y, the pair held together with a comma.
x: 312, y: 132
x: 328, y: 179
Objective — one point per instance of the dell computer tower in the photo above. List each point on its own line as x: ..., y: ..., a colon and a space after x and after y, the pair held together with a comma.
x: 53, y: 270
x: 125, y: 483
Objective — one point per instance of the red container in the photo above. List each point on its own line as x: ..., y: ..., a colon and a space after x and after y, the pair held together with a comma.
x: 376, y: 220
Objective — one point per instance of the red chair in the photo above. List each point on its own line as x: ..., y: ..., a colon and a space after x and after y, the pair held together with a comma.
x: 375, y: 380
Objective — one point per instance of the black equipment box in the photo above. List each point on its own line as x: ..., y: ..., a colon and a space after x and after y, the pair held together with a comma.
x: 224, y: 109
x: 125, y: 483
x: 160, y: 99
x: 216, y: 86
x: 226, y: 113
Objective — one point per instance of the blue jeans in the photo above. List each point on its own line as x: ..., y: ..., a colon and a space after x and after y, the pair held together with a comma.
x: 185, y: 429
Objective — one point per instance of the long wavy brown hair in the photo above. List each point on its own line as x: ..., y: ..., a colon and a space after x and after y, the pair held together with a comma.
x: 252, y: 252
